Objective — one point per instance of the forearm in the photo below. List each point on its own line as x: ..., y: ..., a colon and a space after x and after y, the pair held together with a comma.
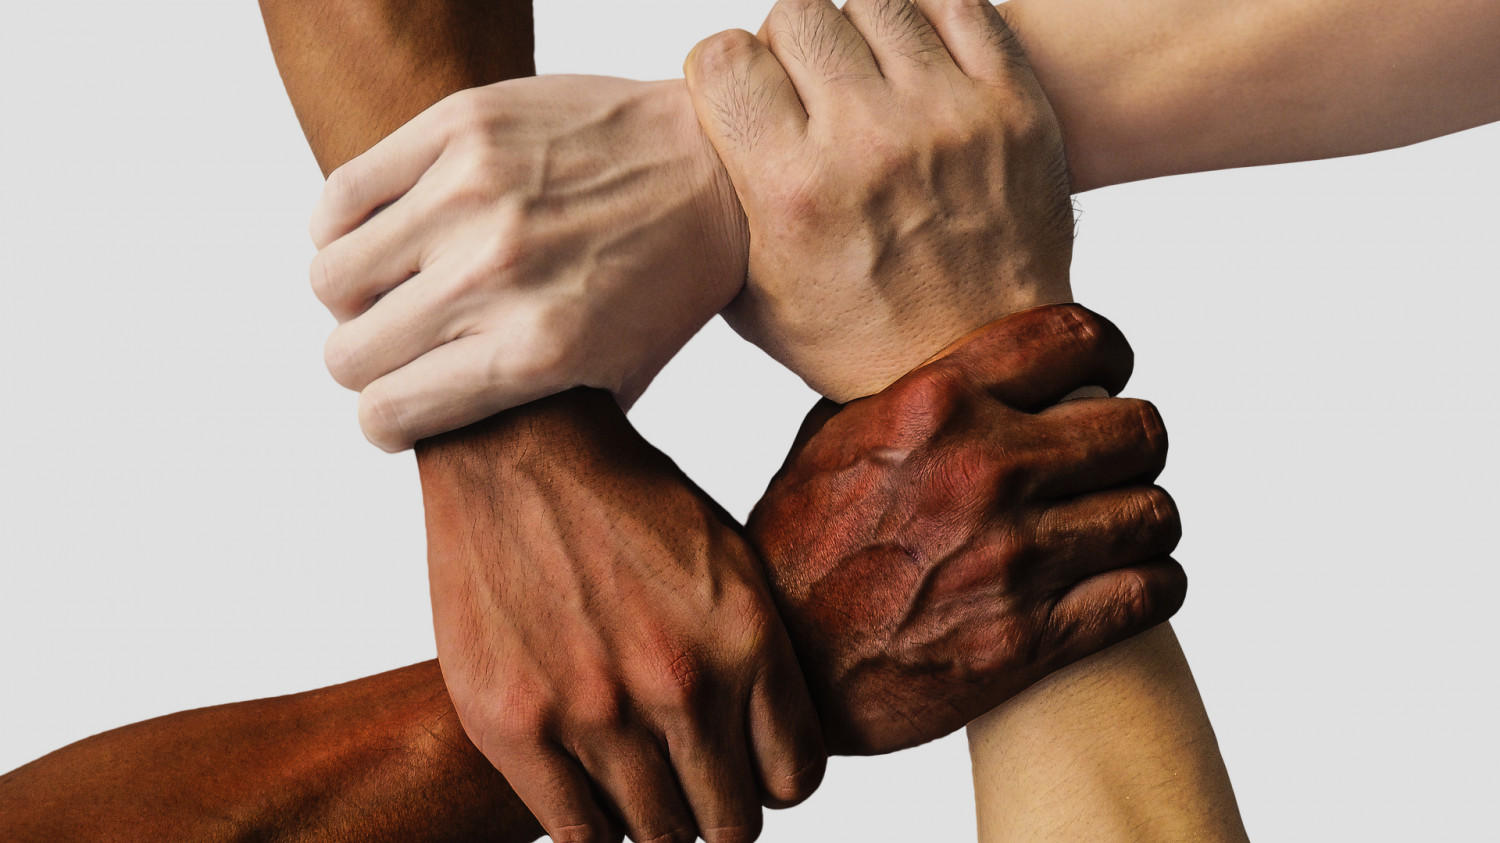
x: 380, y: 758
x: 1117, y: 747
x: 355, y: 70
x: 1146, y: 88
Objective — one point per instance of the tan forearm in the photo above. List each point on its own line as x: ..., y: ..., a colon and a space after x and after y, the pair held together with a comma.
x: 1148, y: 88
x: 1117, y: 747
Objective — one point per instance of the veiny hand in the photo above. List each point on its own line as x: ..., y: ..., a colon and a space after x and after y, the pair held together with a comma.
x: 902, y: 174
x: 600, y: 621
x: 938, y: 547
x: 519, y: 239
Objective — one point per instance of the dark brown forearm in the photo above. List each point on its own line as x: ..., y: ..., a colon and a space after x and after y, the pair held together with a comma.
x: 381, y: 758
x: 357, y: 69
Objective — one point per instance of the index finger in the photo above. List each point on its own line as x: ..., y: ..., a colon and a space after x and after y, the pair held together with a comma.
x: 384, y: 173
x: 1032, y: 359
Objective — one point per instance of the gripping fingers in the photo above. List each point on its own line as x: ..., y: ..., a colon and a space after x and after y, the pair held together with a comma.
x: 353, y: 271
x: 743, y: 100
x: 786, y: 738
x: 1099, y: 443
x: 1107, y: 608
x: 713, y: 767
x: 1034, y: 358
x: 1105, y: 531
x: 387, y: 171
x: 900, y: 36
x: 820, y: 50
x: 642, y: 786
x: 410, y: 321
x: 977, y: 36
x: 456, y: 384
x: 558, y: 793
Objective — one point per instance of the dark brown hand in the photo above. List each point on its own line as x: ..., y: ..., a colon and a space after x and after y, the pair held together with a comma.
x: 938, y: 547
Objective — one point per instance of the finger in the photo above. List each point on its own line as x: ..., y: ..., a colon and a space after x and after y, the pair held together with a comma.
x: 902, y: 40
x: 744, y: 100
x: 416, y: 317
x: 820, y: 50
x: 558, y: 793
x: 1108, y: 608
x: 350, y: 273
x: 786, y: 738
x: 454, y: 385
x: 1093, y: 444
x: 1105, y: 531
x: 388, y: 170
x: 713, y: 767
x: 640, y: 783
x: 977, y: 37
x: 1033, y: 358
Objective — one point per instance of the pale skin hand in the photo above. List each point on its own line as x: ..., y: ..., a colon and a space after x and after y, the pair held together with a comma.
x: 1142, y: 89
x: 904, y: 182
x: 536, y: 234
x: 1113, y: 790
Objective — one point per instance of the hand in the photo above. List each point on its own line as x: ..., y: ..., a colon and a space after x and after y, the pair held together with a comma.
x: 902, y: 174
x: 520, y: 239
x: 599, y: 620
x: 938, y: 547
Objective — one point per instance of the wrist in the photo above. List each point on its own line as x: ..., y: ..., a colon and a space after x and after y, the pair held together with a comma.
x: 719, y: 205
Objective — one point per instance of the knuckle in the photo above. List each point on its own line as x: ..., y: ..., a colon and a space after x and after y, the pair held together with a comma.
x: 504, y: 251
x: 579, y: 833
x: 722, y: 52
x: 745, y: 832
x: 463, y: 111
x: 1132, y: 599
x: 1076, y: 325
x: 341, y: 357
x: 797, y: 784
x: 544, y: 354
x: 598, y: 708
x: 513, y: 723
x: 380, y: 418
x: 933, y: 394
x: 1160, y: 516
x: 678, y: 832
x: 968, y: 471
x: 1152, y: 426
x: 329, y: 280
x: 679, y: 680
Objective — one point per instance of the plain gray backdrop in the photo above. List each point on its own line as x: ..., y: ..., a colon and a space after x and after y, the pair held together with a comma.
x: 189, y: 515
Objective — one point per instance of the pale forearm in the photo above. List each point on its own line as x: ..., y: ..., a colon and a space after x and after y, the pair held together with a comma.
x: 1117, y: 747
x: 1148, y: 88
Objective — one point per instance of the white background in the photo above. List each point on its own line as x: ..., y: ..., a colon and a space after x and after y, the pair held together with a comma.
x: 189, y: 516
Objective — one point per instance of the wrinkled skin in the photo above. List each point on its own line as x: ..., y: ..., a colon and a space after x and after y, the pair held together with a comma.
x: 902, y: 174
x: 938, y: 547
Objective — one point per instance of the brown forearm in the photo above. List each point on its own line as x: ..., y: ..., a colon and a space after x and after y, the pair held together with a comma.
x: 380, y: 758
x: 357, y: 69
